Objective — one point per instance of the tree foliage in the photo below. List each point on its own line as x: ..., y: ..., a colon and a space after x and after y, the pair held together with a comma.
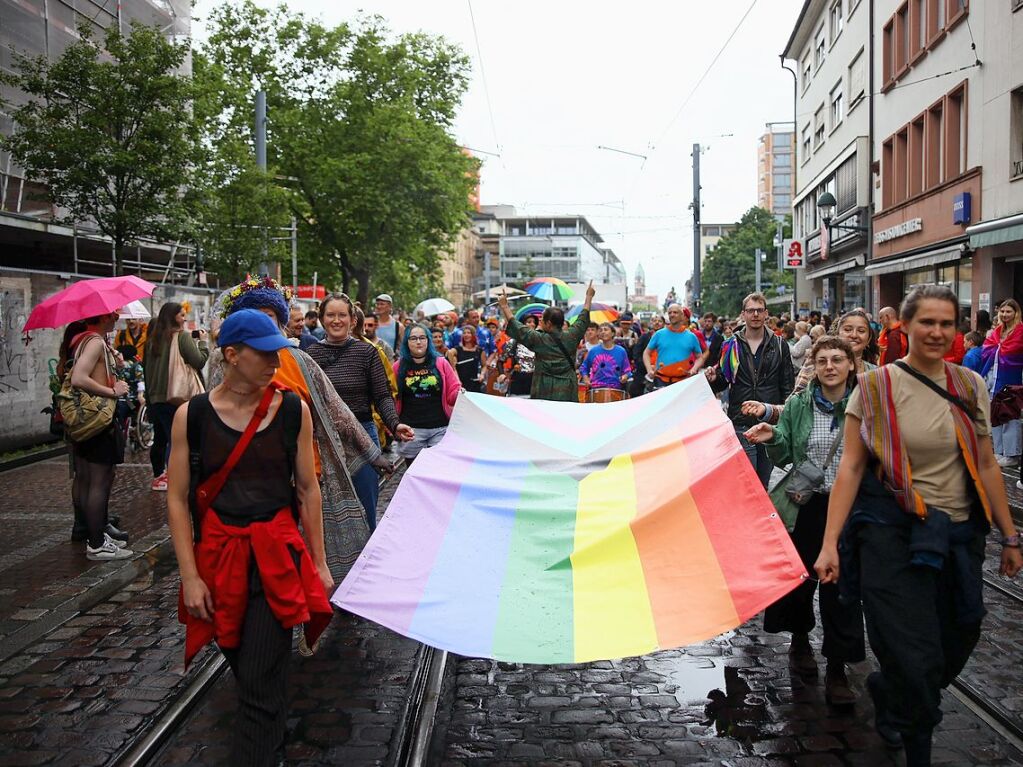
x: 729, y: 272
x: 107, y: 129
x: 359, y: 132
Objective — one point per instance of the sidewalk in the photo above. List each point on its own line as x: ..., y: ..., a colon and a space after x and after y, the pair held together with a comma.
x: 46, y: 579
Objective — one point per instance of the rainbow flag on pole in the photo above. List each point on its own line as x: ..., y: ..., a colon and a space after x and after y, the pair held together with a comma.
x: 548, y: 532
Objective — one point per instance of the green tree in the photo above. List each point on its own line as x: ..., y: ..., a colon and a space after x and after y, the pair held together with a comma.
x: 360, y: 131
x: 729, y: 272
x: 108, y: 131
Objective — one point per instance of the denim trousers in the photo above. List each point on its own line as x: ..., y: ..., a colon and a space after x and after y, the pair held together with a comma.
x: 365, y: 481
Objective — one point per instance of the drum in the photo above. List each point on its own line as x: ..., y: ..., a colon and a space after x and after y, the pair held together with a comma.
x: 606, y: 395
x: 584, y: 393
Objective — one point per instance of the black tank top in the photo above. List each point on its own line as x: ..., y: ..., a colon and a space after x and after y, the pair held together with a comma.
x: 260, y: 484
x: 468, y: 367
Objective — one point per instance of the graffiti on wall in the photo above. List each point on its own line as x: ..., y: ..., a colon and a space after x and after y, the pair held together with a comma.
x: 18, y: 365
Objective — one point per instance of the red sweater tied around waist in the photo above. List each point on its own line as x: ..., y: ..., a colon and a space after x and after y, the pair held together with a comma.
x: 223, y: 557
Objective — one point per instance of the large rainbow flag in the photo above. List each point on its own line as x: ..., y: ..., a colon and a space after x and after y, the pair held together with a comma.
x: 548, y: 532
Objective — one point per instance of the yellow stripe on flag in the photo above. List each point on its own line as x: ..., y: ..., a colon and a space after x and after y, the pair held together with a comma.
x: 612, y: 609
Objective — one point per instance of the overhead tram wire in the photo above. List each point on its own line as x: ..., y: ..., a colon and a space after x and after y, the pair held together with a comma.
x: 685, y: 102
x: 483, y: 77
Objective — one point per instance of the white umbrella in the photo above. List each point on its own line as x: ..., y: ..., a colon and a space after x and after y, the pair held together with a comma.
x: 134, y: 310
x: 432, y: 306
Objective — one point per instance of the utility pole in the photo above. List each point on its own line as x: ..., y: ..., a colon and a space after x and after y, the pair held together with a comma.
x: 260, y: 137
x: 696, y: 230
x: 294, y: 255
x: 757, y: 256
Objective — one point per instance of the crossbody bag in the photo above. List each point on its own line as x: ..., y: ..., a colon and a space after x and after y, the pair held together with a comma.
x: 806, y: 479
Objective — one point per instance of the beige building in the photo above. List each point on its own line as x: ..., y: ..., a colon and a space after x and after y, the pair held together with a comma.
x: 710, y: 236
x: 460, y: 267
x: 776, y: 151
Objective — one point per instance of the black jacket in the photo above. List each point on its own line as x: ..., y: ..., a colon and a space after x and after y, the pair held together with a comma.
x: 772, y: 383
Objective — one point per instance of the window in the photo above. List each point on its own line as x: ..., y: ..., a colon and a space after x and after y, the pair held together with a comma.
x: 957, y: 10
x: 782, y: 201
x: 806, y: 142
x: 901, y: 57
x: 819, y: 48
x: 845, y: 185
x: 857, y: 79
x: 783, y: 160
x: 1016, y: 132
x: 888, y: 68
x: 955, y: 132
x: 818, y: 127
x: 807, y: 69
x: 935, y: 20
x: 917, y: 28
x: 900, y: 175
x: 916, y: 182
x: 836, y: 20
x: 935, y: 141
x: 888, y: 173
x: 782, y: 181
x: 837, y: 106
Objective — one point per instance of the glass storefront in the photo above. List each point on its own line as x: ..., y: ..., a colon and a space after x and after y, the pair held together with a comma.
x: 854, y: 290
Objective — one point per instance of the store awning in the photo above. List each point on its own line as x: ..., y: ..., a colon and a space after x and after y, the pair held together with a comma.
x: 996, y: 232
x: 933, y: 258
x: 835, y: 268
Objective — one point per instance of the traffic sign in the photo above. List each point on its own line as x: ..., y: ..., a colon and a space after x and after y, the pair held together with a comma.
x: 793, y: 254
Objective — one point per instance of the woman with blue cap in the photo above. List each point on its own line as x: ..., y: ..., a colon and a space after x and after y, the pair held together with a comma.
x: 241, y: 476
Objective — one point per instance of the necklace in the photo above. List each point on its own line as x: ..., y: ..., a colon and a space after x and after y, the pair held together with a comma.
x: 235, y: 391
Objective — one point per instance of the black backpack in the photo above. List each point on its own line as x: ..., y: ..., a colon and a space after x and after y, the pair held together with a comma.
x: 199, y: 410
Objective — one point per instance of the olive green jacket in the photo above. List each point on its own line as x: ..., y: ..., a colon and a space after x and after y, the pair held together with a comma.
x: 554, y: 377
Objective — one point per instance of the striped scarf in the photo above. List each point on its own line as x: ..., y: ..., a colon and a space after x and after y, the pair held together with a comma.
x: 880, y: 433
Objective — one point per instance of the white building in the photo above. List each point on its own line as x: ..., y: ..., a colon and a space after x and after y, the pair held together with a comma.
x: 950, y: 203
x: 830, y: 49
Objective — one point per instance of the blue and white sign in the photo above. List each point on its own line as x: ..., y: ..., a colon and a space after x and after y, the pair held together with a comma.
x: 961, y: 213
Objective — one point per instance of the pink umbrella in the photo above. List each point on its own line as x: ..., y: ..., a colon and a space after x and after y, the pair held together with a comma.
x: 88, y: 298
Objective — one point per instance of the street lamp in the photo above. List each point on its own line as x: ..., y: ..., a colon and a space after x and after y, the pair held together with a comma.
x: 826, y: 204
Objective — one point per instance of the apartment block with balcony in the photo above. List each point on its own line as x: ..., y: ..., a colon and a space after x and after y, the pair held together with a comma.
x: 775, y: 174
x: 829, y: 47
x: 950, y: 208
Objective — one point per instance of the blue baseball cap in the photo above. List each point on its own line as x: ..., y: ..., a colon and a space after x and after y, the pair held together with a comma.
x: 252, y: 328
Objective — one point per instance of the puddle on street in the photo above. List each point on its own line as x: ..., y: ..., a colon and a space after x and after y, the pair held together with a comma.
x: 729, y: 704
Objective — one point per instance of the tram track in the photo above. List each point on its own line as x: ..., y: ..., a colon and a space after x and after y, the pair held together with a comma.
x: 974, y: 699
x: 414, y: 726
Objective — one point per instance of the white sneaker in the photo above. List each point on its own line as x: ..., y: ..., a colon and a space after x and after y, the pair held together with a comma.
x: 1007, y: 461
x: 110, y: 549
x: 1019, y: 485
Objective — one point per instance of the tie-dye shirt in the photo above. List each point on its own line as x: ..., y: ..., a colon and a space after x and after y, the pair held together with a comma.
x: 605, y: 367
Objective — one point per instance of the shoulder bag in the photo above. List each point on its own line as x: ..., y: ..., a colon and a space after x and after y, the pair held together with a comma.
x: 806, y: 479
x: 183, y: 381
x: 85, y: 415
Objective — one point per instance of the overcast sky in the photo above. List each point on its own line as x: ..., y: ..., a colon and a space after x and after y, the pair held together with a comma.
x: 567, y: 76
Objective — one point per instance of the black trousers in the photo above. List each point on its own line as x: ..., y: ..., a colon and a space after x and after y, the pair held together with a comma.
x: 842, y: 624
x: 260, y: 665
x: 912, y: 626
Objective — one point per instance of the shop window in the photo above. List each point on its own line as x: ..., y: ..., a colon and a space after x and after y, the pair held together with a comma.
x: 964, y: 288
x: 947, y: 276
x: 922, y: 276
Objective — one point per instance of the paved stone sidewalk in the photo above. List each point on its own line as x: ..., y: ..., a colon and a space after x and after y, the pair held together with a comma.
x: 731, y: 700
x: 44, y: 578
x: 80, y: 695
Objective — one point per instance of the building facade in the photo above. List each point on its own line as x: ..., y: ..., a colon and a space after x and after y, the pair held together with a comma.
x: 460, y: 267
x: 710, y: 236
x: 775, y: 168
x: 28, y: 236
x: 829, y: 49
x: 950, y: 198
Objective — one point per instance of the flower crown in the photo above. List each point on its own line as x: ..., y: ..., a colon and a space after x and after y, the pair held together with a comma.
x: 253, y: 283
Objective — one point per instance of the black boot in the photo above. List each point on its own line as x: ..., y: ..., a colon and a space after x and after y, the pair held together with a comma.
x: 875, y: 686
x: 918, y: 748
